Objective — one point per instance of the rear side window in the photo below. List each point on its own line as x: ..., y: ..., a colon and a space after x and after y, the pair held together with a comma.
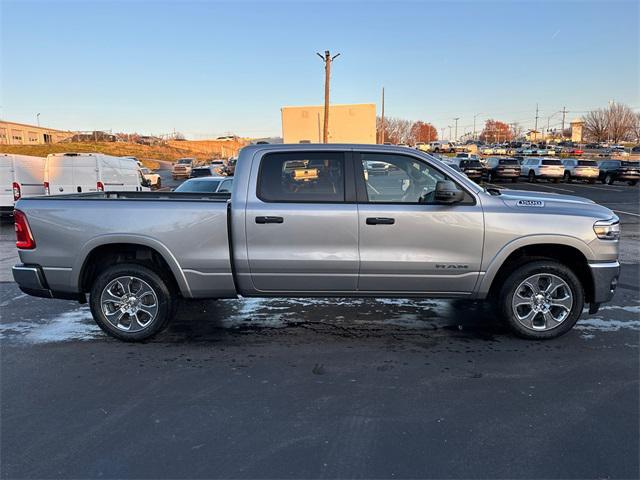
x: 508, y: 161
x: 551, y: 162
x: 302, y: 177
x: 587, y: 163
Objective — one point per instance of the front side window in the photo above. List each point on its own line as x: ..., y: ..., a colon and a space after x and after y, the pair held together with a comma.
x: 302, y: 177
x: 399, y: 179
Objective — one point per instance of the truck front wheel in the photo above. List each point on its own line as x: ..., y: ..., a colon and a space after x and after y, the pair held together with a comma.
x: 131, y: 302
x: 541, y: 300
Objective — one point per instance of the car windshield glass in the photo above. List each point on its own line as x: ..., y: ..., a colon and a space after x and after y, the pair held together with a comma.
x: 508, y: 161
x: 587, y: 163
x: 184, y: 162
x: 201, y: 186
x: 201, y: 172
x: 471, y: 164
x: 551, y: 162
x: 633, y: 164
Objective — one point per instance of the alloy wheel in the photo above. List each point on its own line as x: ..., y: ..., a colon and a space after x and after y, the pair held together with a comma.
x: 542, y: 302
x: 129, y: 303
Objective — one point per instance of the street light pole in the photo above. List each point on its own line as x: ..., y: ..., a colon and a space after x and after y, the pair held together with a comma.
x: 456, y: 135
x: 474, y: 126
x: 327, y: 59
x: 38, y: 119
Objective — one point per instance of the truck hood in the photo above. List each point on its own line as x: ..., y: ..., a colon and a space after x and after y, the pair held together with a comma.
x: 543, y: 202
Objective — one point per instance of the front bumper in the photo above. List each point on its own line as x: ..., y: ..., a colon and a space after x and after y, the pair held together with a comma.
x: 31, y: 280
x: 605, y: 280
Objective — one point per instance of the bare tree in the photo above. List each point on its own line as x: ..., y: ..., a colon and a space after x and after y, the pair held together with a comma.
x: 620, y: 119
x: 595, y: 125
x: 635, y: 127
x: 518, y: 130
x: 396, y: 130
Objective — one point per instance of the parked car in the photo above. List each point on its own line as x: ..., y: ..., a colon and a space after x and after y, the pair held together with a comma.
x: 377, y: 168
x: 202, y: 171
x: 454, y: 166
x: 541, y: 256
x: 635, y: 150
x: 575, y: 151
x: 206, y: 185
x: 152, y: 178
x: 229, y: 168
x: 612, y: 171
x: 20, y: 176
x: 501, y: 168
x: 546, y: 168
x: 182, y: 168
x: 468, y: 156
x: 66, y: 173
x: 500, y: 150
x: 441, y: 146
x: 471, y: 168
x: 578, y: 169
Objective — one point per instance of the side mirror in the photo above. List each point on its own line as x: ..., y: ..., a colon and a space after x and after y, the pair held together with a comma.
x: 447, y: 192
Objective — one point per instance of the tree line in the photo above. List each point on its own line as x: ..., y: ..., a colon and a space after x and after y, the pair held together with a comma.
x: 398, y: 130
x: 616, y: 123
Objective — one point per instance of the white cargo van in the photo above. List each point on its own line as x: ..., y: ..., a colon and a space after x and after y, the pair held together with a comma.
x: 20, y: 176
x: 91, y: 172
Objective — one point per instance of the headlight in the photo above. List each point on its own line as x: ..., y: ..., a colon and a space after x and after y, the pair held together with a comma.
x: 607, y: 229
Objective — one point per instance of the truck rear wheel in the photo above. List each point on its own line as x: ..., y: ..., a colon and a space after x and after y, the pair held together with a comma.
x: 541, y: 300
x: 131, y: 302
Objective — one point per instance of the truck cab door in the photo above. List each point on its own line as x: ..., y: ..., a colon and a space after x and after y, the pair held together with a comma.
x: 302, y: 223
x: 408, y: 242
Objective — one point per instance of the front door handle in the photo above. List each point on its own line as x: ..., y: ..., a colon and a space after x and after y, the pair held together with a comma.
x: 380, y: 221
x: 262, y: 220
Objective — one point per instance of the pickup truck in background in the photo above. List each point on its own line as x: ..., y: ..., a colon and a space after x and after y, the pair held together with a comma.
x: 308, y: 220
x: 182, y: 168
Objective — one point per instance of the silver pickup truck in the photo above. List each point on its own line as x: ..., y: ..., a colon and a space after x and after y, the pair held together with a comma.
x: 311, y: 220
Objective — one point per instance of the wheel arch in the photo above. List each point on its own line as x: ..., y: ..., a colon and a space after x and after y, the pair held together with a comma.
x: 569, y: 252
x: 106, y: 250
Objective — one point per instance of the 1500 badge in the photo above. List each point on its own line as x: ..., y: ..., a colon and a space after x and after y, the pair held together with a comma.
x: 530, y: 203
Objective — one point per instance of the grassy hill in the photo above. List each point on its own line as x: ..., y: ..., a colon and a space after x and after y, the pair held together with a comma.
x: 201, y: 150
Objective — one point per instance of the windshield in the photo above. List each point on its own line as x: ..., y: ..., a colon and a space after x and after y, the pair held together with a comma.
x: 587, y: 163
x: 201, y: 186
x: 551, y: 162
x: 508, y: 161
x: 632, y: 164
x: 184, y: 162
x: 201, y: 172
x: 145, y: 171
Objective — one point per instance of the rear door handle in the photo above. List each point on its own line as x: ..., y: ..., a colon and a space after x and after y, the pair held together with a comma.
x: 262, y: 220
x: 380, y: 221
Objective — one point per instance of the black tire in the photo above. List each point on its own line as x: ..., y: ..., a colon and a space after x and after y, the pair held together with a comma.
x: 633, y: 182
x: 519, y: 275
x: 567, y: 177
x: 514, y: 180
x: 159, y: 184
x: 592, y: 181
x: 609, y: 180
x: 532, y: 176
x: 556, y: 180
x: 166, y: 300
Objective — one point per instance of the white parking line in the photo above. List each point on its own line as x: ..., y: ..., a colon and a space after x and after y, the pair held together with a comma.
x: 627, y: 213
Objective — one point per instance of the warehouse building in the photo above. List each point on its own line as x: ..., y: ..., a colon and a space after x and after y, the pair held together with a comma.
x: 347, y: 124
x: 12, y: 133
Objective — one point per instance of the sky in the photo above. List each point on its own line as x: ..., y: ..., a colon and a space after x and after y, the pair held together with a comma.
x: 206, y: 68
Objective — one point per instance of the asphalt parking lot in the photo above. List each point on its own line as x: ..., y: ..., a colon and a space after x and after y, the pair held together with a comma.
x: 268, y: 388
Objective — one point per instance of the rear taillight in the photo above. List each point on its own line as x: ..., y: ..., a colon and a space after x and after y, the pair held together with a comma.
x: 46, y: 188
x: 24, y: 238
x: 100, y: 186
x: 16, y: 191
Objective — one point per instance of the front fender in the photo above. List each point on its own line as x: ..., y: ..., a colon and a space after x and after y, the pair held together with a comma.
x: 501, y: 256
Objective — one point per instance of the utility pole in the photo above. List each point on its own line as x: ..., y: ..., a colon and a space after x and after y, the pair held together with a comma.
x: 456, y: 135
x: 535, y: 129
x: 382, y: 120
x: 564, y: 113
x: 327, y: 59
x: 474, y: 126
x: 38, y: 119
x: 442, y: 133
x: 450, y: 127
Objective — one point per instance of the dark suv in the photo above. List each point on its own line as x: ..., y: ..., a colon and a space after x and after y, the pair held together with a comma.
x: 617, y: 170
x: 471, y: 168
x: 501, y: 168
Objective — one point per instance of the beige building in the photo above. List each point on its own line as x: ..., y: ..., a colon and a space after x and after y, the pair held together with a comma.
x: 577, y: 128
x: 347, y: 124
x: 12, y: 133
